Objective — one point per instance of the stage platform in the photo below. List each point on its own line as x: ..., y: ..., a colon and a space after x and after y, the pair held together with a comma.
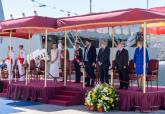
x: 133, y: 99
x: 74, y: 94
x: 55, y: 92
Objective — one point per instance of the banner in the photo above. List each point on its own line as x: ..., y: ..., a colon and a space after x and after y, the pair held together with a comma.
x: 38, y: 55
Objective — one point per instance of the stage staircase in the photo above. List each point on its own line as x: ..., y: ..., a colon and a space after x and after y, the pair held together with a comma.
x: 68, y: 97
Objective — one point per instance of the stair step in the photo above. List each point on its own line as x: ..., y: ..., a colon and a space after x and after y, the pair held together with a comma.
x: 67, y: 98
x: 64, y: 97
x: 60, y: 102
x: 72, y: 89
x: 70, y: 93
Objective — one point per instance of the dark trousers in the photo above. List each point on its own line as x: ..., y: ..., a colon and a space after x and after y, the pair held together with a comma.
x: 78, y: 72
x: 90, y: 74
x: 123, y: 77
x: 104, y: 74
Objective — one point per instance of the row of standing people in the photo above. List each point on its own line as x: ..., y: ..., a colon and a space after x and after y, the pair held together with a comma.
x: 122, y: 61
x: 13, y: 61
x: 89, y: 59
x: 103, y: 60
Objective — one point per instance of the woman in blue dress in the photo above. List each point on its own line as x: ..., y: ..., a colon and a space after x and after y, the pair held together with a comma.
x: 138, y: 61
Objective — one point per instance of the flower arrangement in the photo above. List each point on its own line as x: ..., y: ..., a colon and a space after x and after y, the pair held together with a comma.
x: 102, y: 98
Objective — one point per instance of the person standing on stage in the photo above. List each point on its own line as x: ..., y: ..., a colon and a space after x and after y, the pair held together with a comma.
x: 54, y: 61
x: 90, y: 62
x: 21, y: 62
x: 104, y: 61
x: 122, y: 59
x: 10, y: 61
x: 138, y: 61
x: 78, y: 58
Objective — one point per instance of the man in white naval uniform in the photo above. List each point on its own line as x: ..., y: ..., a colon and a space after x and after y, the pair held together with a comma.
x: 21, y: 61
x: 10, y: 62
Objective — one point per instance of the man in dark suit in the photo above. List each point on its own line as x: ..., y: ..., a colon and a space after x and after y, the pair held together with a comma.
x: 78, y: 58
x: 122, y: 59
x: 104, y: 61
x: 90, y: 62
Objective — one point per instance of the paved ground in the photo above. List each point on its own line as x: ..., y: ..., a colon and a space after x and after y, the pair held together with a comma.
x: 22, y: 107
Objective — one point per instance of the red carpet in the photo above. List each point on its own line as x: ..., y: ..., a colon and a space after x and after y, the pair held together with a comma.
x: 67, y: 97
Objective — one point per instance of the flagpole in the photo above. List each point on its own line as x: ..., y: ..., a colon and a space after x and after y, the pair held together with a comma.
x: 90, y: 5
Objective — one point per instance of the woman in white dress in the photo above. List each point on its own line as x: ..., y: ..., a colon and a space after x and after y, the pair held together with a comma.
x: 54, y: 61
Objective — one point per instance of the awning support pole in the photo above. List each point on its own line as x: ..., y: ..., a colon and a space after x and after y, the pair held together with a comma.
x: 29, y: 56
x: 113, y: 45
x: 65, y: 78
x: 83, y: 68
x: 28, y: 69
x: 46, y: 47
x: 144, y: 57
x: 9, y: 76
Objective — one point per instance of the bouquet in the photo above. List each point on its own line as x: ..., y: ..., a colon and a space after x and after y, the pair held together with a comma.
x: 102, y: 98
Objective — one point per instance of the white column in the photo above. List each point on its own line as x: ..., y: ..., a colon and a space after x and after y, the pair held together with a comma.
x: 46, y: 55
x: 144, y: 57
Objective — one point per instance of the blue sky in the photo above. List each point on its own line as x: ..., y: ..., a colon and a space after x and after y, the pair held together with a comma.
x: 16, y: 7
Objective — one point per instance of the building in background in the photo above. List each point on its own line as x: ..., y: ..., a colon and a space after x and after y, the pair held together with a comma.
x: 1, y: 11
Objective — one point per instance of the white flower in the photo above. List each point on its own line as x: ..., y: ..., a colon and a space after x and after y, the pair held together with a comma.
x: 107, y: 98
